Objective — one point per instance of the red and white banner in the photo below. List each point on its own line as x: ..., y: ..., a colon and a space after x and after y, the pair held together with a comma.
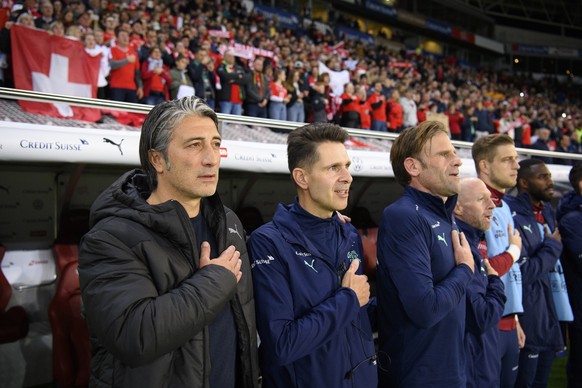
x: 220, y: 34
x: 247, y: 52
x: 54, y: 64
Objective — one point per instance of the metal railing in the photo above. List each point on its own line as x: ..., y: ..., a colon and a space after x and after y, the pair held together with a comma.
x: 18, y: 94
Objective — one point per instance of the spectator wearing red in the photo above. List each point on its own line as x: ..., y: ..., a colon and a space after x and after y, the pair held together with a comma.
x: 365, y: 108
x: 156, y: 78
x: 125, y: 78
x: 377, y: 103
x: 279, y: 97
x: 456, y: 119
x: 137, y: 35
x: 350, y: 108
x: 395, y: 113
x: 109, y: 33
x: 231, y: 94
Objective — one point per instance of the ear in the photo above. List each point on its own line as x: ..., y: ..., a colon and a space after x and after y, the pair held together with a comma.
x: 580, y: 186
x: 301, y: 178
x: 522, y: 184
x: 484, y: 167
x: 458, y: 210
x: 157, y: 161
x: 412, y: 166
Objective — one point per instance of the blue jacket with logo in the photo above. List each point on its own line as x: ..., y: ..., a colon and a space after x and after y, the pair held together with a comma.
x: 313, y: 332
x: 570, y: 220
x: 538, y: 257
x: 497, y: 243
x: 485, y: 301
x: 421, y: 294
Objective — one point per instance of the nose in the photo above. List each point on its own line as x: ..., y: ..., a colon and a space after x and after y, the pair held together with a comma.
x: 457, y: 161
x: 210, y: 156
x: 346, y: 176
x: 515, y: 164
x: 491, y: 204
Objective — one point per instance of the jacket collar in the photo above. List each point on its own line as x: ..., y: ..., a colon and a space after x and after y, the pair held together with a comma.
x: 434, y: 202
x: 292, y: 220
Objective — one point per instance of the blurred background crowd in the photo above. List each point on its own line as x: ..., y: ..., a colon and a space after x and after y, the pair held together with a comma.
x: 244, y: 63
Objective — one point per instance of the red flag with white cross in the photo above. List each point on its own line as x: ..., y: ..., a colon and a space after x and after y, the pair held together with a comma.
x: 54, y: 64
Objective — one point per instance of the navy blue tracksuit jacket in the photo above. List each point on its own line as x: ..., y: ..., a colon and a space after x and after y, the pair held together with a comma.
x: 313, y: 331
x: 421, y: 294
x: 485, y: 302
x: 538, y: 257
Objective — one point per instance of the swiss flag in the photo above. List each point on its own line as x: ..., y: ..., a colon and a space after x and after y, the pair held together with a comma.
x: 53, y: 64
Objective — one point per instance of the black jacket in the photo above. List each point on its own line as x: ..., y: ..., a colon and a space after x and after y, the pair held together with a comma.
x: 236, y: 76
x: 147, y: 303
x: 197, y: 72
x: 253, y: 93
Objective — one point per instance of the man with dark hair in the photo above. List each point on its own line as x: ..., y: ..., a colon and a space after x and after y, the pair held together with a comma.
x: 258, y: 91
x: 534, y: 217
x: 485, y: 297
x: 496, y: 164
x: 424, y: 265
x: 164, y: 273
x: 232, y: 93
x: 570, y: 219
x: 312, y: 299
x: 125, y: 82
x: 203, y: 78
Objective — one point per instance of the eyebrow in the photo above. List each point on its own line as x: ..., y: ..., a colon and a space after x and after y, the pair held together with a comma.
x: 201, y: 138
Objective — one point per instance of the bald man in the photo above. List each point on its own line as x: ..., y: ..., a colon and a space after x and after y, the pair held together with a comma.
x: 485, y: 293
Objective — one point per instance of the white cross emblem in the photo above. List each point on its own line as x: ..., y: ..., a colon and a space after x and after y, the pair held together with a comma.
x: 58, y: 82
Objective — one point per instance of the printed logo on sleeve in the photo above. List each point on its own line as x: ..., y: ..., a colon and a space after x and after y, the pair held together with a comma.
x: 263, y: 261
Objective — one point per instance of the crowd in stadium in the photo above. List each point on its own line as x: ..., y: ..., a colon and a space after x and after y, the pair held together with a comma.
x: 156, y: 50
x: 244, y: 63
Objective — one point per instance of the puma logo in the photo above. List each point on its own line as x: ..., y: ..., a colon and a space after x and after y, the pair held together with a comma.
x: 528, y: 228
x: 310, y: 265
x: 442, y: 238
x: 235, y: 230
x: 118, y: 145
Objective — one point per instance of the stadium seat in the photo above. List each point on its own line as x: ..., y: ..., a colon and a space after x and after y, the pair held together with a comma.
x: 369, y: 239
x: 368, y: 231
x: 72, y: 227
x: 14, y: 321
x: 71, y: 351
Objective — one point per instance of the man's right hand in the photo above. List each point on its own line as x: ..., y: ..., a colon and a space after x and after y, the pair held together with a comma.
x: 229, y: 259
x: 514, y: 236
x: 358, y: 283
x: 131, y: 58
x: 555, y: 234
x: 462, y: 250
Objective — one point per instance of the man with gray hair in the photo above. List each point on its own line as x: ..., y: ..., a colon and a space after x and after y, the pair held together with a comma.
x: 165, y: 277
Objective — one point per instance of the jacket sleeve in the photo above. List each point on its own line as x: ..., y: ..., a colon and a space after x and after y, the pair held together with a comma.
x: 235, y: 76
x: 537, y: 261
x: 501, y: 263
x: 404, y: 255
x: 195, y: 71
x: 486, y: 310
x: 284, y: 337
x: 128, y: 315
x: 570, y: 230
x: 176, y: 79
